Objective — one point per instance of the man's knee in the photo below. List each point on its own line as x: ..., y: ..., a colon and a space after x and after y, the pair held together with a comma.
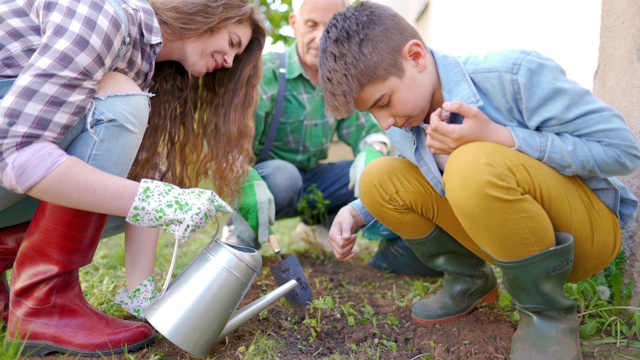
x: 283, y: 179
x: 280, y: 174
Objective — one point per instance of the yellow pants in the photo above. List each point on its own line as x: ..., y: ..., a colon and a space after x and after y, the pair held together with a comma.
x: 499, y: 202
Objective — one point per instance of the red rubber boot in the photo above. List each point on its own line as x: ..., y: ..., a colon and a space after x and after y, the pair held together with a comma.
x: 10, y: 240
x: 48, y: 313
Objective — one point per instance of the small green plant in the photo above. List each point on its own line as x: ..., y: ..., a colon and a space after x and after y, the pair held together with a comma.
x: 314, y: 324
x: 603, y: 304
x: 313, y: 206
x: 392, y: 346
x: 368, y: 315
x: 349, y: 313
x: 393, y: 321
x: 322, y: 282
x: 263, y: 346
x: 158, y: 356
x: 420, y: 289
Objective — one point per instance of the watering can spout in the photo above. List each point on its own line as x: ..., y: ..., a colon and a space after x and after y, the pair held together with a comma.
x: 246, y: 313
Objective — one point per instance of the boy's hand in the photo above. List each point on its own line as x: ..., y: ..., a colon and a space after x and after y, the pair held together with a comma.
x: 364, y: 157
x: 179, y: 211
x: 342, y: 235
x: 257, y: 205
x: 444, y: 138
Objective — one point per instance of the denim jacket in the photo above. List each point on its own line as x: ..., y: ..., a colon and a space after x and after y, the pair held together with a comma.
x: 551, y: 118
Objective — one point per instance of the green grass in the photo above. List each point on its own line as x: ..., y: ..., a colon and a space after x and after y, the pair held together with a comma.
x: 604, y: 306
x: 263, y: 346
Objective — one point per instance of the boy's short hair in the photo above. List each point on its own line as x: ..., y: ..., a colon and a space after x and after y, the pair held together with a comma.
x: 361, y: 44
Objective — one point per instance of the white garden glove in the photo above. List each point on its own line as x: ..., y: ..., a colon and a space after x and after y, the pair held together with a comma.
x: 181, y: 212
x: 256, y: 205
x: 364, y: 157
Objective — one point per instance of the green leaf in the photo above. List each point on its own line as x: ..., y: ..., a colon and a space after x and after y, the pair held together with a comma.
x: 587, y: 330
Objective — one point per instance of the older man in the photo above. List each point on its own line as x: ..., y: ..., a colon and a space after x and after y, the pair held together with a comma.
x: 293, y: 134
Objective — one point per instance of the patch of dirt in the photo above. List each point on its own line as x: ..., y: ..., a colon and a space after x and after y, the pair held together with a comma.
x: 483, y: 334
x: 362, y: 285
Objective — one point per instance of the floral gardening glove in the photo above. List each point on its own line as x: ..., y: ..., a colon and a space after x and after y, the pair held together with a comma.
x: 256, y: 205
x: 364, y: 157
x: 181, y: 212
x: 139, y: 299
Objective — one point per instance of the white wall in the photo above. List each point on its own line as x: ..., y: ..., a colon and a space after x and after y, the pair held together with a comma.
x: 566, y: 30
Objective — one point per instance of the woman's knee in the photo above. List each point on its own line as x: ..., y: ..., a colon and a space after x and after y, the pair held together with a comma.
x: 116, y: 83
x: 119, y: 100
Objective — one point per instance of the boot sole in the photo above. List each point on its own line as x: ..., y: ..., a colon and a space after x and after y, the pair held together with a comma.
x: 490, y: 298
x: 36, y: 349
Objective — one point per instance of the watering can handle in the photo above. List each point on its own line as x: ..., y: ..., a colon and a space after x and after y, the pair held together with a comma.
x: 175, y: 255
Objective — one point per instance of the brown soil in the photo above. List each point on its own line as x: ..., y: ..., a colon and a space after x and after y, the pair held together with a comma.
x: 484, y: 334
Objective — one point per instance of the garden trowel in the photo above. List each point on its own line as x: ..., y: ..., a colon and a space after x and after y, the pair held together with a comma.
x: 300, y: 297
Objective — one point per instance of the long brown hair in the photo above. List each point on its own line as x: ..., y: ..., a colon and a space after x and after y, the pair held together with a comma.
x: 202, y: 128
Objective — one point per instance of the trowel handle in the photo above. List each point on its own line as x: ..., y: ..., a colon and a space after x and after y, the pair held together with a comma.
x: 274, y: 244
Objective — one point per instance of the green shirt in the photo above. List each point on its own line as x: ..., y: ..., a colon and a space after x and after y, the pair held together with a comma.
x: 304, y: 132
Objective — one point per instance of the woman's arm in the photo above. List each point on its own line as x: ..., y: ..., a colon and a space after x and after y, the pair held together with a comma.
x: 79, y: 185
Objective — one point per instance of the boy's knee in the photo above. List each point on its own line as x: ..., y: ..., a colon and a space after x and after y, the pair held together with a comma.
x: 466, y: 159
x: 116, y: 83
x: 380, y: 176
x: 373, y: 172
x: 470, y: 169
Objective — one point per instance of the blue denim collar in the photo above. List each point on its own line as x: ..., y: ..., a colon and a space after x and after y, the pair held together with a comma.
x: 455, y: 81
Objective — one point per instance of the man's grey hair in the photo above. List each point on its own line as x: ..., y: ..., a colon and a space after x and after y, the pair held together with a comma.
x: 297, y: 4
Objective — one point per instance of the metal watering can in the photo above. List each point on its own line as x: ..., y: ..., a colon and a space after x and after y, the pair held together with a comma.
x: 196, y: 310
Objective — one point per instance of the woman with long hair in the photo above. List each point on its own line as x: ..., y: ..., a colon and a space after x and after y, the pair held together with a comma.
x: 216, y: 145
x: 84, y: 85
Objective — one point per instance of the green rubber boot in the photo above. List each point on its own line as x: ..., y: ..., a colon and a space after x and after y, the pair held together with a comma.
x: 394, y: 254
x: 549, y: 325
x: 468, y: 280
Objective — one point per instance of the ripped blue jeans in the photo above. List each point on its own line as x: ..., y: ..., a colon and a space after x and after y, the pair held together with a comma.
x: 107, y: 138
